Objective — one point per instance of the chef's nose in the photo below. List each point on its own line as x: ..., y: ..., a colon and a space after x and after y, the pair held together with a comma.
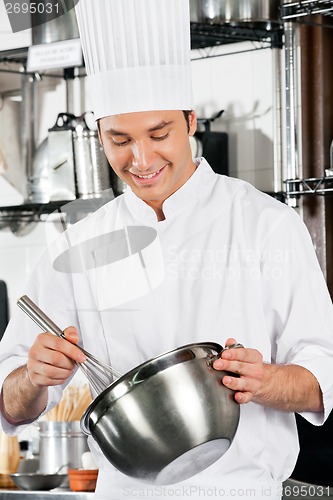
x: 142, y: 155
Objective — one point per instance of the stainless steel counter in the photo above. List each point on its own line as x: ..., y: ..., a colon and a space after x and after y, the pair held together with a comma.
x: 56, y: 494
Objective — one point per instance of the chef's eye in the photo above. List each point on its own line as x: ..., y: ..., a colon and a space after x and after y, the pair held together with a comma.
x: 160, y: 137
x: 120, y: 143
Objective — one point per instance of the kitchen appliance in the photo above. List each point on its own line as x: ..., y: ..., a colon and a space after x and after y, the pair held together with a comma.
x: 260, y: 14
x: 165, y: 420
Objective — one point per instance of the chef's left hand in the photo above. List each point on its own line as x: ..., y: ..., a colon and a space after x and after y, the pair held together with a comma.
x: 248, y: 365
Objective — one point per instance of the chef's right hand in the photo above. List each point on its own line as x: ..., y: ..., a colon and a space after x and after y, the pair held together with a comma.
x: 51, y: 359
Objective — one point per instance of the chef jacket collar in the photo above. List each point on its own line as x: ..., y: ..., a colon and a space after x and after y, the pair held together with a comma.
x: 190, y: 192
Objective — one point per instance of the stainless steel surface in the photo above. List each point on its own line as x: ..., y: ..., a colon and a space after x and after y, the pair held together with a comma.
x: 167, y: 419
x: 27, y: 129
x: 38, y: 316
x: 46, y: 30
x: 35, y: 481
x: 61, y: 444
x: 92, y: 169
x: 38, y: 181
x: 99, y: 374
x: 296, y: 9
x: 56, y: 494
x: 61, y: 159
x: 257, y: 13
x: 292, y: 109
x: 76, y: 164
x: 277, y: 120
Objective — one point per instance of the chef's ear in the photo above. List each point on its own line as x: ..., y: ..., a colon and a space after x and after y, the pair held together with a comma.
x: 192, y: 121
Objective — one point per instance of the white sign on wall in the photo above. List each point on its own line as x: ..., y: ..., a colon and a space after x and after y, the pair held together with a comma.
x: 64, y: 54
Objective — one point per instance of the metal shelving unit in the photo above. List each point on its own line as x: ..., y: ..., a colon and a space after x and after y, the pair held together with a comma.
x: 314, y: 185
x: 22, y: 219
x: 206, y: 36
x: 300, y: 12
x: 294, y: 10
x: 212, y: 35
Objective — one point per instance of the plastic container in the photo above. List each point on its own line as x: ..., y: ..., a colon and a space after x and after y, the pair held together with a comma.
x: 82, y: 479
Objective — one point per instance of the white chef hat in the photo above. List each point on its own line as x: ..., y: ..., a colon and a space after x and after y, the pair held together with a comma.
x: 137, y: 54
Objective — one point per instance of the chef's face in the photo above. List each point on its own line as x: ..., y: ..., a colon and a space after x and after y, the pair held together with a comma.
x: 150, y: 151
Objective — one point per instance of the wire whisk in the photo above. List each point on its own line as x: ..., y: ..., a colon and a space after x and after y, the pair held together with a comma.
x: 99, y: 374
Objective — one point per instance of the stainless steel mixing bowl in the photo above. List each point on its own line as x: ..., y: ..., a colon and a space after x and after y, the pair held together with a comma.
x: 167, y: 419
x: 35, y: 481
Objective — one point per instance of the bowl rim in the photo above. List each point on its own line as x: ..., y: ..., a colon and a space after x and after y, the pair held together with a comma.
x: 151, y: 367
x: 36, y: 474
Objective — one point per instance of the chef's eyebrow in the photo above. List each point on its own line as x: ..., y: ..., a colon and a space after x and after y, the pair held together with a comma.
x: 158, y: 126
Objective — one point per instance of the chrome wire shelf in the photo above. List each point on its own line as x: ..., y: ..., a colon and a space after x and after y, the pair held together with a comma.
x: 314, y: 185
x: 294, y: 10
x: 209, y: 35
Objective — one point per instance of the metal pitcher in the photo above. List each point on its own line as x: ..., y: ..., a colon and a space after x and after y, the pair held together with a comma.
x: 92, y: 170
x: 61, y: 443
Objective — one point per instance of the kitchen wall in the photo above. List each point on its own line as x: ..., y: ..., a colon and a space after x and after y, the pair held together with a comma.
x: 241, y: 83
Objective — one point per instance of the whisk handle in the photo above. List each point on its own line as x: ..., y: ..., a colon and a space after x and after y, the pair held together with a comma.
x: 38, y: 316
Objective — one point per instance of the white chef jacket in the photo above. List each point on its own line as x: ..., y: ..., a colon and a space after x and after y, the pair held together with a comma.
x: 227, y: 261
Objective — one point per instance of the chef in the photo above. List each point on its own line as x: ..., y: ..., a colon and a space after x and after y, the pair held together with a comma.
x: 184, y: 255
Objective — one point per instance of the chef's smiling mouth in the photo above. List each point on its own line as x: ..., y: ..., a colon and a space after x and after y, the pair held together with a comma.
x: 148, y: 176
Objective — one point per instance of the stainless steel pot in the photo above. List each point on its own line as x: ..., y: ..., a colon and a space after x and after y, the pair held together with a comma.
x: 61, y: 444
x: 92, y: 169
x: 263, y: 14
x: 48, y: 28
x: 167, y: 419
